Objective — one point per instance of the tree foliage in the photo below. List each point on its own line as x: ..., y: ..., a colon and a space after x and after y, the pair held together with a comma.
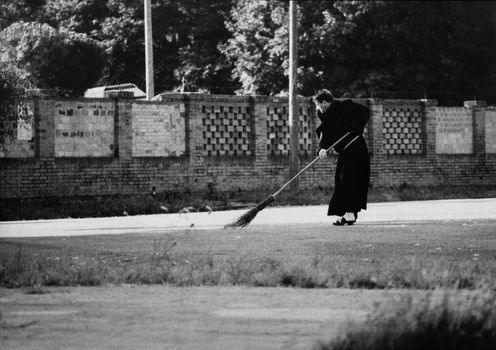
x: 255, y: 48
x: 53, y: 59
x: 432, y: 46
x: 389, y: 48
x: 13, y: 82
x: 116, y: 25
x: 357, y: 47
x: 202, y: 64
x: 186, y: 35
x: 20, y: 10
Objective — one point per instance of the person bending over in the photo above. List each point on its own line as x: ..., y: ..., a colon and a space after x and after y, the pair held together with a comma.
x: 352, y: 174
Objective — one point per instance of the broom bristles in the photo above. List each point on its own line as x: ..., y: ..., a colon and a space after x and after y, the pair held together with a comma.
x: 248, y: 217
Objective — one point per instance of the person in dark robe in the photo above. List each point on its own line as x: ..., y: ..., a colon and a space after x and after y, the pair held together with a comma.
x: 352, y: 174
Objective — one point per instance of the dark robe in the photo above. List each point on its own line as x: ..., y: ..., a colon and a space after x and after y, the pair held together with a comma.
x: 352, y: 175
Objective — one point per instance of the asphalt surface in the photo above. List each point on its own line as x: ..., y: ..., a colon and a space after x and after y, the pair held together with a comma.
x: 390, y: 212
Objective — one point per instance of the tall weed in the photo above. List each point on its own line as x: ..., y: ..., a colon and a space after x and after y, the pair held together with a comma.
x: 440, y: 320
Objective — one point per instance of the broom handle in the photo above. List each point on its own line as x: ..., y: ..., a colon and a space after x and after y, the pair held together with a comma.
x: 309, y: 165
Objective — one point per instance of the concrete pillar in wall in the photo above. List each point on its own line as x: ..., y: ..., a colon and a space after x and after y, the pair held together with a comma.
x: 45, y: 128
x: 429, y: 128
x: 376, y: 142
x: 194, y: 128
x: 123, y: 129
x: 379, y: 166
x: 36, y: 127
x: 483, y: 169
x: 259, y: 127
x: 374, y: 126
x: 479, y: 129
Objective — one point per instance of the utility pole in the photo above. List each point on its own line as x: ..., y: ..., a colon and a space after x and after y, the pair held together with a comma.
x: 293, y: 102
x: 149, y: 51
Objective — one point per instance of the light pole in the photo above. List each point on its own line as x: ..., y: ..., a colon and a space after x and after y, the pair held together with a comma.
x: 293, y: 102
x: 149, y: 51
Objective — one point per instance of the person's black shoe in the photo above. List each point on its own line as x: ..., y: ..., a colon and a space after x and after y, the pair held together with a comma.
x: 342, y: 221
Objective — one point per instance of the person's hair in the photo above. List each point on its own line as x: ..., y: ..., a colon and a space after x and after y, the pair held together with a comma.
x: 323, y: 95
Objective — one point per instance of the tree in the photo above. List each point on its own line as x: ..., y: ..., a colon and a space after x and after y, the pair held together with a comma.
x: 432, y: 46
x: 258, y: 48
x: 185, y: 34
x: 116, y: 25
x: 259, y: 44
x: 357, y: 47
x: 14, y: 114
x: 20, y: 10
x: 54, y: 59
x: 202, y: 65
x: 13, y: 83
x: 389, y: 48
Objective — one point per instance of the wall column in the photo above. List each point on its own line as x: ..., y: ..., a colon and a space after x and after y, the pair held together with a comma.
x: 429, y: 128
x: 46, y: 129
x: 479, y: 131
x: 259, y: 127
x: 376, y: 145
x: 124, y: 119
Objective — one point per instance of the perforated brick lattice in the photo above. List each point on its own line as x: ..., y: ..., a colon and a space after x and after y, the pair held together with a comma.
x: 227, y: 130
x: 278, y: 131
x: 402, y: 130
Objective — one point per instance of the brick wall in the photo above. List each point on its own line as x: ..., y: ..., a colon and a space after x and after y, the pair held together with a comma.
x: 193, y: 141
x: 159, y: 130
x: 454, y: 129
x: 84, y: 128
x: 490, y: 129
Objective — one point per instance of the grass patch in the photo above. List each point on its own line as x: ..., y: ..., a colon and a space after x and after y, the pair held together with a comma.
x: 35, y: 273
x: 454, y: 258
x: 439, y: 320
x: 210, y: 199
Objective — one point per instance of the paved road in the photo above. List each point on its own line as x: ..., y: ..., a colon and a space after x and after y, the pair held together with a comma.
x: 454, y: 209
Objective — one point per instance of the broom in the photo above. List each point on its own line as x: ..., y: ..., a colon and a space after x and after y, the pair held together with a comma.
x: 246, y: 218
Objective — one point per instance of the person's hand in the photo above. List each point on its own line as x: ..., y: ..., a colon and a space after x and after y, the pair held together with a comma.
x: 322, y: 153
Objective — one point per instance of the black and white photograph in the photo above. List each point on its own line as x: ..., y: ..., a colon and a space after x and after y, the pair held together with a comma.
x: 247, y: 174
